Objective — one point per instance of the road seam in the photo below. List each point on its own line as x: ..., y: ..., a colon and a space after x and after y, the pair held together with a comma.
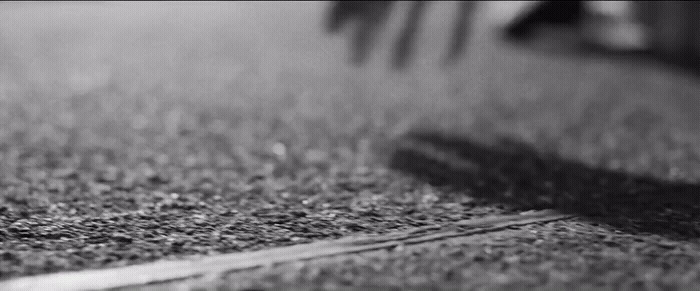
x: 193, y: 267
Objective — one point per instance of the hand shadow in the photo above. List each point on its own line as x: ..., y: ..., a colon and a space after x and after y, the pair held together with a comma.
x: 514, y: 173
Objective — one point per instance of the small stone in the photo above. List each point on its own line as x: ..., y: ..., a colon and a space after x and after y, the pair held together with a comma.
x: 280, y: 150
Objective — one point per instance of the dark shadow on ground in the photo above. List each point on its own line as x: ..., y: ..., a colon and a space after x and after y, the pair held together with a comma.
x: 514, y: 173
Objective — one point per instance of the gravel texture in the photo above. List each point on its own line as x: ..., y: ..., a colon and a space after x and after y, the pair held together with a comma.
x: 138, y: 195
x: 565, y: 255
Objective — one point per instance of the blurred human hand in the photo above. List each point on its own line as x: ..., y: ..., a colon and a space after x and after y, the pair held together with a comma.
x: 369, y: 17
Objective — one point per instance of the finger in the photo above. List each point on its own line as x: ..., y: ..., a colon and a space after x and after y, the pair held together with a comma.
x: 460, y: 34
x: 339, y: 13
x: 371, y: 20
x: 404, y: 44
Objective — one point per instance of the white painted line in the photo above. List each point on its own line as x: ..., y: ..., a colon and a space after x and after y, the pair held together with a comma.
x: 182, y: 269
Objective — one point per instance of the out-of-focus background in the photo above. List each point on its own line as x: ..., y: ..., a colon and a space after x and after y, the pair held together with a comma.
x: 73, y: 48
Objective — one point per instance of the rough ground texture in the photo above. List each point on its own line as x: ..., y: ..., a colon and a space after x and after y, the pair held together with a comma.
x: 567, y: 255
x: 229, y: 139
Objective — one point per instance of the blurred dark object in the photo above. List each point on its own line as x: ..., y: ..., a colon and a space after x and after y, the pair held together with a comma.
x: 404, y: 43
x: 504, y: 170
x: 545, y: 13
x: 673, y: 29
x: 369, y: 17
x: 667, y: 29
